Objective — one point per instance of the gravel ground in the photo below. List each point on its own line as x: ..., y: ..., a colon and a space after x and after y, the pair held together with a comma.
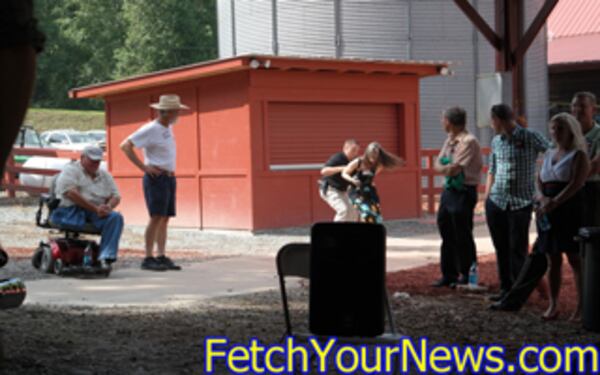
x: 169, y: 340
x: 17, y: 229
x: 41, y: 340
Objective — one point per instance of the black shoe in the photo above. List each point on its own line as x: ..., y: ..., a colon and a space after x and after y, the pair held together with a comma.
x: 152, y: 264
x: 167, y: 262
x: 498, y: 297
x: 504, y: 306
x: 443, y: 282
x: 105, y: 265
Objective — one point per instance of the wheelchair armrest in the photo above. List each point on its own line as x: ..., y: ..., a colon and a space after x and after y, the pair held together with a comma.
x: 51, y: 202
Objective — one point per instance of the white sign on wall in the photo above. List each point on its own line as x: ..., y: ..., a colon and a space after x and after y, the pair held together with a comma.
x: 492, y: 89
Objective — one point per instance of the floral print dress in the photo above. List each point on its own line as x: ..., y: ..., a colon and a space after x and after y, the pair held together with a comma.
x: 365, y: 198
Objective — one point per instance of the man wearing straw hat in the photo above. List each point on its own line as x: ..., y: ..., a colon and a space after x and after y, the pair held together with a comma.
x: 158, y: 143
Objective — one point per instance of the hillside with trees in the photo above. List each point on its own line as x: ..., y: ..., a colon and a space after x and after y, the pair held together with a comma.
x: 92, y: 41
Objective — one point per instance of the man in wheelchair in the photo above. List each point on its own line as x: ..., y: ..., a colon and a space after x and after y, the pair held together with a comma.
x: 88, y: 196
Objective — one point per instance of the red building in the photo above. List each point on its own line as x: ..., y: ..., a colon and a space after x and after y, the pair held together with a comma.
x: 259, y: 129
x: 573, y: 51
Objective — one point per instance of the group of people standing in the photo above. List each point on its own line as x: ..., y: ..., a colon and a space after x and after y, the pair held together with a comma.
x: 564, y: 193
x: 515, y: 187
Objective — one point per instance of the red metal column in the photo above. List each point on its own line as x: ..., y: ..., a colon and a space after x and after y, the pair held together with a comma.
x: 509, y: 40
x: 509, y: 25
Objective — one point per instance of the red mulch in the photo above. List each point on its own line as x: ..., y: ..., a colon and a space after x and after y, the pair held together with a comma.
x: 417, y: 281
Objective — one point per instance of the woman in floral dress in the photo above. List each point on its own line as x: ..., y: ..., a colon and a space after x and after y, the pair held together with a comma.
x: 361, y: 172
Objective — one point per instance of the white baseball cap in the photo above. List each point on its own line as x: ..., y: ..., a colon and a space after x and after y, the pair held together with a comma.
x: 93, y: 152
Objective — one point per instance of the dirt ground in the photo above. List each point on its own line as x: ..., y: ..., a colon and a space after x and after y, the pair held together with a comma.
x: 168, y: 340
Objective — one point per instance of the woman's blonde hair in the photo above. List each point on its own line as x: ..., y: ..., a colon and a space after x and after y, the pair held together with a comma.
x: 385, y: 159
x: 570, y: 122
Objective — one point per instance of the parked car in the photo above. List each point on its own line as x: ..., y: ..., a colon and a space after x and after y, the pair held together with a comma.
x: 42, y: 162
x: 99, y: 136
x: 67, y: 139
x: 27, y: 137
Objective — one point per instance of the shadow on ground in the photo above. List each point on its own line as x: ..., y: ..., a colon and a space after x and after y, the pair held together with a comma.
x: 52, y: 340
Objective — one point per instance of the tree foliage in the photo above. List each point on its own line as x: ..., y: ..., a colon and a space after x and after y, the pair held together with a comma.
x: 91, y: 41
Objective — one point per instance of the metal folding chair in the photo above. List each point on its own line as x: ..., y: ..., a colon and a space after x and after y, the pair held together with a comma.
x: 293, y: 260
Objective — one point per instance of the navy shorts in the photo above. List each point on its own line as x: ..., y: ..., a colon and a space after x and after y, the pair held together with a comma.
x: 159, y: 192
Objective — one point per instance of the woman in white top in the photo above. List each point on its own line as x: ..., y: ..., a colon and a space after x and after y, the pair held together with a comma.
x: 560, y: 210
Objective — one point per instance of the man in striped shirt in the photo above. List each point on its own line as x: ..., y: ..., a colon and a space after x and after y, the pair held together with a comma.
x: 509, y: 192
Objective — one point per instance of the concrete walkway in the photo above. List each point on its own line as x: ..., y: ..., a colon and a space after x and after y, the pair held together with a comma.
x: 134, y: 287
x: 219, y: 277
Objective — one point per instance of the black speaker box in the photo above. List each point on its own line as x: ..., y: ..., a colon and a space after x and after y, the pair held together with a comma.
x: 347, y: 279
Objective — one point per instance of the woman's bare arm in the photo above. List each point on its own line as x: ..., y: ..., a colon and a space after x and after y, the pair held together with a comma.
x: 578, y: 177
x: 349, y: 170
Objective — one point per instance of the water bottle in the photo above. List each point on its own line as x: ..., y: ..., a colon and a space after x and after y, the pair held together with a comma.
x: 544, y: 223
x: 473, y: 278
x: 87, y: 256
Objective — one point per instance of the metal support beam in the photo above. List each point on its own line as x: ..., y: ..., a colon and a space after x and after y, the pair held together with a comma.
x: 502, y: 65
x: 534, y: 29
x: 480, y: 23
x: 509, y: 24
x: 515, y: 20
x: 508, y: 39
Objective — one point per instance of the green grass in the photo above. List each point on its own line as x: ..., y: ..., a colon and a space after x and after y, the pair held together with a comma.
x: 49, y: 119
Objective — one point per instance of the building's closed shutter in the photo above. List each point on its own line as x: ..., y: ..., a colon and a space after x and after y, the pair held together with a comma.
x: 305, y: 135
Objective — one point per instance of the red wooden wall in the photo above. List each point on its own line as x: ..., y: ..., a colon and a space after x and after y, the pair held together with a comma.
x: 241, y: 124
x: 213, y: 152
x: 359, y: 107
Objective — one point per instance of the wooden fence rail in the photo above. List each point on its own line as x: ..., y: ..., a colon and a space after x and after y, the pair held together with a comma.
x: 431, y: 186
x: 10, y: 181
x: 430, y: 189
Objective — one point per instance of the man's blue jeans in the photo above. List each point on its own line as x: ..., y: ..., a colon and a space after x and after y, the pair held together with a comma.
x: 76, y: 218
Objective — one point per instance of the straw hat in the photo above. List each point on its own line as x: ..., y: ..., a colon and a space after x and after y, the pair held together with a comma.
x: 168, y: 102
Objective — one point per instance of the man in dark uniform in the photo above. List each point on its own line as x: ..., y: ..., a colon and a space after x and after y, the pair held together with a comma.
x: 333, y: 188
